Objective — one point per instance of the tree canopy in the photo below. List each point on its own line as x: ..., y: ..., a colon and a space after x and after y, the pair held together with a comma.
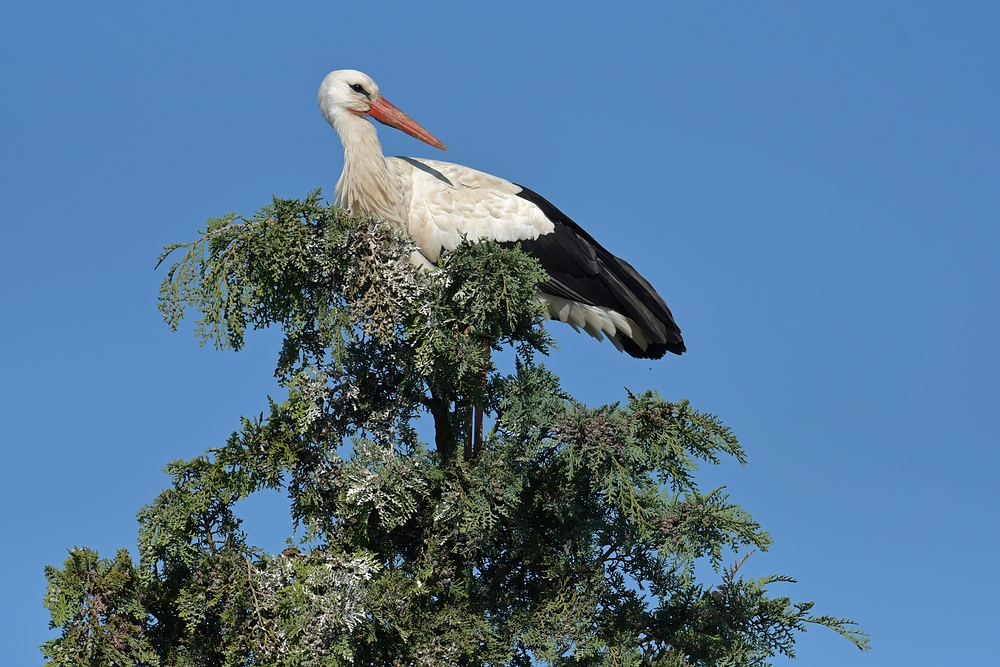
x: 569, y: 536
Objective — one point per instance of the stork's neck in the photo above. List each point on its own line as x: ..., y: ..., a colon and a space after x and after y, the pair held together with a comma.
x: 368, y: 184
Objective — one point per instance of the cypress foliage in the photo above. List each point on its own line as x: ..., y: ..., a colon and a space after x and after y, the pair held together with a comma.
x: 570, y: 537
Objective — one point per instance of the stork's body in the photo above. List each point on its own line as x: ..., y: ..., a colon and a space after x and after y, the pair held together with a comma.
x: 440, y: 203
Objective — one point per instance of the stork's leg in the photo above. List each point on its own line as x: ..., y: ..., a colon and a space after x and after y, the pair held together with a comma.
x: 470, y: 439
x: 474, y: 441
x: 477, y: 421
x: 477, y: 429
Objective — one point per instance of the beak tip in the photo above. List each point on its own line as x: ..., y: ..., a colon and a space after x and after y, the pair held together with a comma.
x: 387, y: 114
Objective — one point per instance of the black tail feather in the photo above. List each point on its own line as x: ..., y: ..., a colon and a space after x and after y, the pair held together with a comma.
x: 581, y: 269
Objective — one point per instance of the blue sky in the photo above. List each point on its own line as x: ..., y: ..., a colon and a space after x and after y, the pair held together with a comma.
x: 814, y: 189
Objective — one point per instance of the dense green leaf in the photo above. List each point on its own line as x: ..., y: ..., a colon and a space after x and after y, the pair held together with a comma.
x: 571, y: 535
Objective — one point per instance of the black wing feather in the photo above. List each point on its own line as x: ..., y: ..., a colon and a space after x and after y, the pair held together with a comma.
x: 581, y: 269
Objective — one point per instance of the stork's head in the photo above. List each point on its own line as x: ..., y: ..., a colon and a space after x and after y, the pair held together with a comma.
x: 348, y: 91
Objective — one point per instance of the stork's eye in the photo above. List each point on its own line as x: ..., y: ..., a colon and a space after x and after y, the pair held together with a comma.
x: 357, y: 87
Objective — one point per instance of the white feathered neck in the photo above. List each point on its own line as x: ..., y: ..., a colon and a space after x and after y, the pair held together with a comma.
x: 368, y: 183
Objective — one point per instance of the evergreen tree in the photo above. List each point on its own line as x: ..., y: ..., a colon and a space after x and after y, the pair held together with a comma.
x: 569, y: 536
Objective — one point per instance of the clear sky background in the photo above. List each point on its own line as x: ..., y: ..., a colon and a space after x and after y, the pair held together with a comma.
x: 813, y: 187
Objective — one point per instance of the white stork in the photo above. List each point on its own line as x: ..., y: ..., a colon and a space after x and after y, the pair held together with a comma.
x: 439, y: 203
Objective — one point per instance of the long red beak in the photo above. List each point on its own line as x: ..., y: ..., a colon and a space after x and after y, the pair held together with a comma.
x: 385, y: 113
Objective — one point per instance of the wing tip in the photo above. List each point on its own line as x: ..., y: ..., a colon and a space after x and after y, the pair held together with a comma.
x: 653, y: 350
